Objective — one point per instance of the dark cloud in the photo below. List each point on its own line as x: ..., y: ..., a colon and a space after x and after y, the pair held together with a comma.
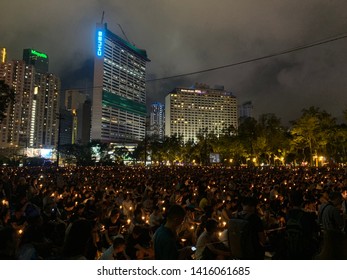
x: 186, y: 36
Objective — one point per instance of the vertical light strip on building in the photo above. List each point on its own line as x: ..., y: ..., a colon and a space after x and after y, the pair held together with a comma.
x: 33, y: 118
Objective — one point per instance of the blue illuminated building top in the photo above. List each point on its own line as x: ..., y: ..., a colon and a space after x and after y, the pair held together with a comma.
x: 100, y: 42
x: 103, y: 32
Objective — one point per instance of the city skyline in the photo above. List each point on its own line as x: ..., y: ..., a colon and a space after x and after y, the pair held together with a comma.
x: 197, y: 35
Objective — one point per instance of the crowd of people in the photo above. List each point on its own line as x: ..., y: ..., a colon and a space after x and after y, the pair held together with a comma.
x: 172, y: 212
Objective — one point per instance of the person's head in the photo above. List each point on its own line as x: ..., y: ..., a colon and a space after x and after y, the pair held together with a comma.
x: 115, y: 213
x: 249, y: 203
x: 344, y: 192
x: 335, y: 198
x: 118, y: 245
x: 211, y: 226
x: 156, y: 210
x: 138, y: 214
x: 175, y: 215
x: 137, y: 231
x: 296, y: 198
x: 229, y: 204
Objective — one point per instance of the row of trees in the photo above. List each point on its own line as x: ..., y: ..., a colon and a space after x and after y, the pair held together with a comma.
x: 314, y: 138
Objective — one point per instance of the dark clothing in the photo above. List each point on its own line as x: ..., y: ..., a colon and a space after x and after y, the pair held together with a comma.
x: 165, y: 247
x: 132, y: 242
x: 308, y: 229
x: 330, y: 217
x: 256, y: 226
x: 112, y: 229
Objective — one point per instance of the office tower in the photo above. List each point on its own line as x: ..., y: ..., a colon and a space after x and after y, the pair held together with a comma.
x: 32, y: 119
x: 119, y: 91
x: 45, y: 128
x: 15, y: 127
x: 66, y: 120
x: 246, y: 110
x: 197, y: 110
x: 45, y: 102
x: 83, y: 122
x: 38, y: 59
x: 74, y: 99
x: 157, y: 120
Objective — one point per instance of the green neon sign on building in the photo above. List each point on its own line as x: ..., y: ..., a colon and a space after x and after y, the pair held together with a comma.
x: 43, y: 55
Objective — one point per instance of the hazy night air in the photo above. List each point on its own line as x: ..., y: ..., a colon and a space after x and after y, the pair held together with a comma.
x: 192, y: 35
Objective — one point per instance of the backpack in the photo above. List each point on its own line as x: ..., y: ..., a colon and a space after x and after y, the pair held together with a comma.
x: 295, y: 241
x: 240, y: 238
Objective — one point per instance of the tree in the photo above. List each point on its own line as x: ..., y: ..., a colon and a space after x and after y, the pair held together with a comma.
x: 248, y: 134
x: 311, y: 132
x: 6, y: 96
x: 172, y: 146
x: 190, y: 152
x: 274, y: 142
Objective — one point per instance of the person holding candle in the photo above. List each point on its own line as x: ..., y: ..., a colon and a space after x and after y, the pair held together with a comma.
x: 165, y: 237
x: 208, y: 246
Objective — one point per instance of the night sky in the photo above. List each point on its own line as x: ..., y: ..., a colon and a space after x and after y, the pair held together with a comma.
x: 182, y: 36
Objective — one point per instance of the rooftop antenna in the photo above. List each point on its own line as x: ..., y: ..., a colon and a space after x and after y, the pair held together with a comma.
x: 124, y: 33
x: 102, y: 18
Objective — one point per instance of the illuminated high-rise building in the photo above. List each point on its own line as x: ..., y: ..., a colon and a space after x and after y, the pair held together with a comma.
x: 46, y: 127
x: 15, y: 127
x: 193, y: 111
x: 45, y: 102
x: 32, y: 119
x: 78, y: 106
x: 37, y: 59
x: 157, y: 120
x: 246, y: 110
x: 119, y: 91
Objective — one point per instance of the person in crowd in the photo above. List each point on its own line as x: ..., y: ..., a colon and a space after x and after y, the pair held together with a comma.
x: 112, y: 226
x: 344, y: 206
x: 8, y: 243
x: 256, y: 241
x: 33, y: 243
x: 331, y: 219
x: 116, y: 251
x: 229, y: 209
x: 302, y: 230
x: 208, y: 245
x: 329, y: 213
x: 155, y: 218
x: 77, y: 240
x: 139, y: 245
x: 128, y: 206
x: 165, y: 239
x: 92, y: 192
x: 204, y: 202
